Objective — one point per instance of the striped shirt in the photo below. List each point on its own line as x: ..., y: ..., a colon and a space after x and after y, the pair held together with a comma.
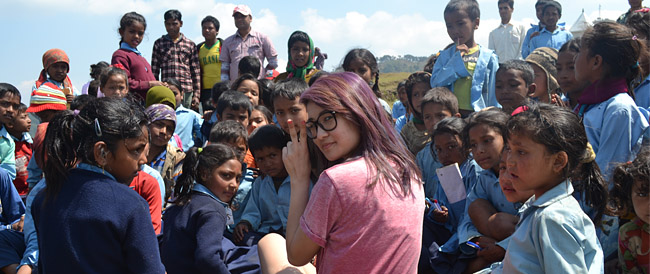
x: 179, y: 60
x: 235, y: 48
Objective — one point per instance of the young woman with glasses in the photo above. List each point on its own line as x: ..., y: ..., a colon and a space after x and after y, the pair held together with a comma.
x: 364, y: 214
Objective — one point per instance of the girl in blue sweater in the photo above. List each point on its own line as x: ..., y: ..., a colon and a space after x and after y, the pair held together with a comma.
x: 87, y: 218
x: 193, y: 239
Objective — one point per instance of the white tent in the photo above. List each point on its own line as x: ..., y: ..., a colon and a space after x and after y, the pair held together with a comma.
x: 579, y: 27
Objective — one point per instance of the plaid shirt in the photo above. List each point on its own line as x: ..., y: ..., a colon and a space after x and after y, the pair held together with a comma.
x: 178, y: 60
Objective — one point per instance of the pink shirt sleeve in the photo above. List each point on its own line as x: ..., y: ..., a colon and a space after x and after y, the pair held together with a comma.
x: 322, y: 212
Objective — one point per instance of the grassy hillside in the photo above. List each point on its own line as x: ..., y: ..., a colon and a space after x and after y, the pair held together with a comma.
x: 388, y: 85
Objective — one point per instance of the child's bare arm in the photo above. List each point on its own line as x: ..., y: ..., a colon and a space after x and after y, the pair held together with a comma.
x: 501, y: 225
x: 479, y: 212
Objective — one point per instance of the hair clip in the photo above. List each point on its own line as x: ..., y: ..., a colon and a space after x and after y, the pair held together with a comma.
x: 75, y: 112
x: 643, y: 10
x: 119, y: 66
x: 635, y: 65
x: 634, y: 37
x: 199, y: 150
x: 98, y: 129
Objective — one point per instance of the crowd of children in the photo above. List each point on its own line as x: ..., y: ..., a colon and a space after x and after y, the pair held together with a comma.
x: 534, y: 163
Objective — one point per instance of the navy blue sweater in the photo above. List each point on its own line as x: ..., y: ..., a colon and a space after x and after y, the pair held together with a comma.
x: 95, y: 225
x: 192, y: 236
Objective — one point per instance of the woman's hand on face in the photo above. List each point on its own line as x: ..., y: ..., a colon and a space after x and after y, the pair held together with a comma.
x: 296, y: 154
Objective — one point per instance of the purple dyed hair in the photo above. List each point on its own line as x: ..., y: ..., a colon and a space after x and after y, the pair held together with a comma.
x: 347, y: 94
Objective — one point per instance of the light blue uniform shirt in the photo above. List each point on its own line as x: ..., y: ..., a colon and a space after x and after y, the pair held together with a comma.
x: 549, y: 39
x: 241, y: 197
x: 30, y: 256
x: 642, y: 94
x: 487, y: 188
x: 188, y: 127
x: 267, y: 210
x: 156, y: 175
x: 450, y: 67
x: 553, y: 236
x: 470, y: 171
x: 525, y: 46
x: 615, y: 130
x: 398, y: 109
x: 7, y: 152
x: 401, y: 122
x: 428, y: 164
x: 606, y: 230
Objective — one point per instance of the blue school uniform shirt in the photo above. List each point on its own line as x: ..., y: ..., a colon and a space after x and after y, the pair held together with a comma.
x: 642, y: 94
x: 241, y: 197
x: 470, y: 171
x: 11, y: 205
x: 553, y: 236
x: 487, y: 187
x: 116, y: 217
x: 525, y: 47
x: 268, y: 210
x: 450, y: 67
x: 7, y: 152
x: 428, y: 163
x: 615, y: 130
x: 30, y: 256
x: 398, y: 109
x: 402, y: 121
x: 606, y: 230
x: 188, y: 127
x: 207, y: 125
x: 546, y: 38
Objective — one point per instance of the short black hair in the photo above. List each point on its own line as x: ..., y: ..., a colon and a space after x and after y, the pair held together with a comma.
x: 572, y: 45
x: 8, y: 88
x: 218, y: 89
x: 526, y: 69
x: 265, y: 111
x: 298, y: 36
x: 289, y: 89
x: 469, y: 6
x: 211, y: 19
x: 511, y: 3
x: 267, y: 136
x: 174, y: 82
x: 266, y: 86
x: 22, y: 108
x: 80, y: 102
x: 315, y: 77
x: 553, y: 4
x: 173, y: 14
x: 227, y: 131
x: 250, y: 64
x: 541, y: 3
x: 234, y: 100
x: 442, y: 96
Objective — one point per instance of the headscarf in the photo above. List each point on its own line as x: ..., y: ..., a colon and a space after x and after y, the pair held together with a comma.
x: 158, y: 112
x: 300, y: 72
x: 159, y: 95
x: 49, y: 58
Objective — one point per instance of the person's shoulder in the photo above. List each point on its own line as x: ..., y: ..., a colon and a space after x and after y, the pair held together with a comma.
x: 345, y: 170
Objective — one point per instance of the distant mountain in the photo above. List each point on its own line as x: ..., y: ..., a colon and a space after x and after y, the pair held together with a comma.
x: 406, y: 63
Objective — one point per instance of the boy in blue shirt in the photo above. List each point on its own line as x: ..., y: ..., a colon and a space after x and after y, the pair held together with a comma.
x: 268, y: 205
x: 9, y: 104
x: 188, y: 122
x: 552, y: 35
x: 534, y: 29
x: 467, y: 69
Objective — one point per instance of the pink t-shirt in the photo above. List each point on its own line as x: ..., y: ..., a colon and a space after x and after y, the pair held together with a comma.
x: 361, y: 229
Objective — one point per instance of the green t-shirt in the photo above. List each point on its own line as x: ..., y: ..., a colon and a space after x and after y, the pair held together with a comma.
x: 463, y: 86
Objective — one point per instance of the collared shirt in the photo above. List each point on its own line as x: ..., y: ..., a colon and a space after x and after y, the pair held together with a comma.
x: 236, y: 47
x: 7, y: 153
x: 267, y: 209
x: 487, y: 188
x: 506, y: 41
x: 178, y: 60
x: 642, y: 94
x: 428, y: 163
x: 398, y: 109
x: 188, y: 127
x: 241, y: 197
x: 554, y: 39
x: 30, y: 256
x: 470, y: 171
x: 11, y: 205
x: 202, y: 189
x: 553, y: 236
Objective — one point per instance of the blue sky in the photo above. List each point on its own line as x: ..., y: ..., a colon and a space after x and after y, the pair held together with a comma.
x: 87, y: 29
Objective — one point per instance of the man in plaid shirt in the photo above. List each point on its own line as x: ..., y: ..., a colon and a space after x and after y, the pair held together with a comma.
x: 175, y: 56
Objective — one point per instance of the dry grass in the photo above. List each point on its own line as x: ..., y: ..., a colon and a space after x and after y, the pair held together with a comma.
x: 388, y: 85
